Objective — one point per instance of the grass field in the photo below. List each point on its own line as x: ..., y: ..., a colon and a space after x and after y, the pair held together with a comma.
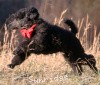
x: 51, y: 69
x: 45, y: 70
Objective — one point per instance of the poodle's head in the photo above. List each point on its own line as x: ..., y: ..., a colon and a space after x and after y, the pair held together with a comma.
x: 25, y: 17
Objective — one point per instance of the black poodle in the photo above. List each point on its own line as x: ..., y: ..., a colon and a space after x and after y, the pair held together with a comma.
x: 41, y: 37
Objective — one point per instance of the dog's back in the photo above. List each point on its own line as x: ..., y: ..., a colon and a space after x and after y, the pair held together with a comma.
x: 57, y: 37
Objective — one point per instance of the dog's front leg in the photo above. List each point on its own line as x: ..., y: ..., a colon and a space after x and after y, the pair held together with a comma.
x: 19, y: 54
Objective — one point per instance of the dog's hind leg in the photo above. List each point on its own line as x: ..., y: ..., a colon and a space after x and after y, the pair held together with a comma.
x: 77, y: 68
x: 92, y: 65
x: 73, y: 64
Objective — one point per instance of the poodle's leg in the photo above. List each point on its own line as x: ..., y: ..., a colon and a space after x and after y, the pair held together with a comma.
x: 74, y: 65
x: 17, y: 60
x: 76, y: 68
x: 20, y: 54
x: 92, y: 65
x: 79, y: 69
x: 80, y: 66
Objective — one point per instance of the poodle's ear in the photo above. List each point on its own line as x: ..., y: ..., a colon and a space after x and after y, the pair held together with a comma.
x: 33, y: 13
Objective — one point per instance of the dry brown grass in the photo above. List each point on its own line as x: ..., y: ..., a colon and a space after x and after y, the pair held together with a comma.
x: 49, y: 69
x: 88, y: 36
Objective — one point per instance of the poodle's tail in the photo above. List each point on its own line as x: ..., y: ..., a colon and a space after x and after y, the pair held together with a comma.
x: 72, y: 25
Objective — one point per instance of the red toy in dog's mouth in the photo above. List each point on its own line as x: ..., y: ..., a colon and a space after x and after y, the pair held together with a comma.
x: 27, y: 33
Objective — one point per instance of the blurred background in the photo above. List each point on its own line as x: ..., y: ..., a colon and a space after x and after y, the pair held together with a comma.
x: 85, y: 14
x: 49, y: 9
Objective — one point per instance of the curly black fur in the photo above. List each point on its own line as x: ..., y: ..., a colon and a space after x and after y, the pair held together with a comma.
x: 71, y: 25
x: 48, y: 39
